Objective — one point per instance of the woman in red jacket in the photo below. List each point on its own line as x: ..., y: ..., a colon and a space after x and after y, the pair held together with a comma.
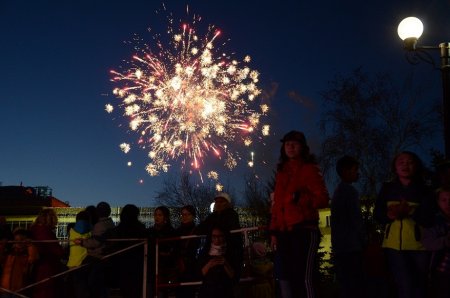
x: 299, y: 192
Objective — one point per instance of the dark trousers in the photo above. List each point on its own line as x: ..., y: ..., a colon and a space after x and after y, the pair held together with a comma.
x: 80, y: 283
x: 95, y: 277
x: 297, y: 251
x: 349, y: 274
x: 410, y: 271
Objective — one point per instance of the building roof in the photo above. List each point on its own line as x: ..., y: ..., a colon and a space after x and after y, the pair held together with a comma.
x: 26, y: 200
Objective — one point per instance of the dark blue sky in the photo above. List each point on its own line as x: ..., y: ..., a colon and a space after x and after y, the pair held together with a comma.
x: 56, y: 56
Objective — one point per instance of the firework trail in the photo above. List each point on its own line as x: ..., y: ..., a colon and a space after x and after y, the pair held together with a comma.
x: 188, y: 101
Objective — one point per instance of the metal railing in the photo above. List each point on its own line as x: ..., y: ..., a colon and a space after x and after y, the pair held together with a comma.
x: 247, y: 247
x: 143, y: 242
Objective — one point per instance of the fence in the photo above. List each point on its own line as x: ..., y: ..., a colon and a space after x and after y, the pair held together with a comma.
x: 247, y: 240
x: 247, y: 258
x: 67, y: 215
x: 143, y: 242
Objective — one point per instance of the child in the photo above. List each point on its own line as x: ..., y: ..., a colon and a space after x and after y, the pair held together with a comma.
x: 347, y: 230
x: 218, y: 266
x: 403, y: 207
x: 437, y: 239
x: 19, y: 262
x: 81, y: 230
x: 300, y: 192
x: 77, y: 253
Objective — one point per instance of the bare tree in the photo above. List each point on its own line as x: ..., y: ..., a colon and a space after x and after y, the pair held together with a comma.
x: 257, y: 198
x: 370, y: 119
x: 177, y: 193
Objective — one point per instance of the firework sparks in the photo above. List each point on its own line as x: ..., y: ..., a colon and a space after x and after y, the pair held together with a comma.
x: 252, y: 161
x: 187, y: 102
x: 125, y: 147
x: 109, y: 108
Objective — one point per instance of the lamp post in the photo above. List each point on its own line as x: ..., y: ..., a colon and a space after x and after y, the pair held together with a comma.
x: 409, y: 30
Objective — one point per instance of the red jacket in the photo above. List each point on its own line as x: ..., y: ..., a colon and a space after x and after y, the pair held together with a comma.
x: 299, y: 192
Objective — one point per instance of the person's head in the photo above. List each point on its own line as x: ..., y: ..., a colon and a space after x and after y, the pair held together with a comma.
x: 222, y: 201
x: 443, y: 200
x: 188, y: 214
x: 218, y: 236
x: 408, y: 166
x: 103, y: 209
x: 21, y: 234
x: 294, y: 146
x: 216, y: 241
x: 347, y: 168
x: 47, y: 217
x: 83, y: 215
x: 129, y: 213
x: 92, y: 210
x: 162, y: 216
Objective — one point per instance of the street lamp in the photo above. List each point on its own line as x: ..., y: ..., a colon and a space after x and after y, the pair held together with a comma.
x: 409, y: 30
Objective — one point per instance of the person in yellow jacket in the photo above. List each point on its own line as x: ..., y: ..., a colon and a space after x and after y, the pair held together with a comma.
x: 81, y: 230
x: 403, y: 206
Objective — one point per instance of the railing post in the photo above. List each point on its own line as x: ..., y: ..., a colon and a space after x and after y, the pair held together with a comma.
x: 144, y: 279
x: 156, y: 267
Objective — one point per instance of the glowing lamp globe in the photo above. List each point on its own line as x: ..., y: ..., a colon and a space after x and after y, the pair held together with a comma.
x: 410, y: 28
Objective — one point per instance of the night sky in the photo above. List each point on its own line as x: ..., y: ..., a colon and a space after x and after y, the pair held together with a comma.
x: 56, y: 57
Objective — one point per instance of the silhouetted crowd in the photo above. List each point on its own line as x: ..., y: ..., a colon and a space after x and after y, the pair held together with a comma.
x: 404, y: 252
x: 96, y: 259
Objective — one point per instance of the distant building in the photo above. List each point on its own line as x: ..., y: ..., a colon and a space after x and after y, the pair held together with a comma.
x: 21, y: 204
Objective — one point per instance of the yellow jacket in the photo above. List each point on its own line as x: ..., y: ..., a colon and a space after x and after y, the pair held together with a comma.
x: 403, y: 234
x: 77, y: 252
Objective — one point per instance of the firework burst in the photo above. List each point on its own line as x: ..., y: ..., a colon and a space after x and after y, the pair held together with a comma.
x: 189, y: 101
